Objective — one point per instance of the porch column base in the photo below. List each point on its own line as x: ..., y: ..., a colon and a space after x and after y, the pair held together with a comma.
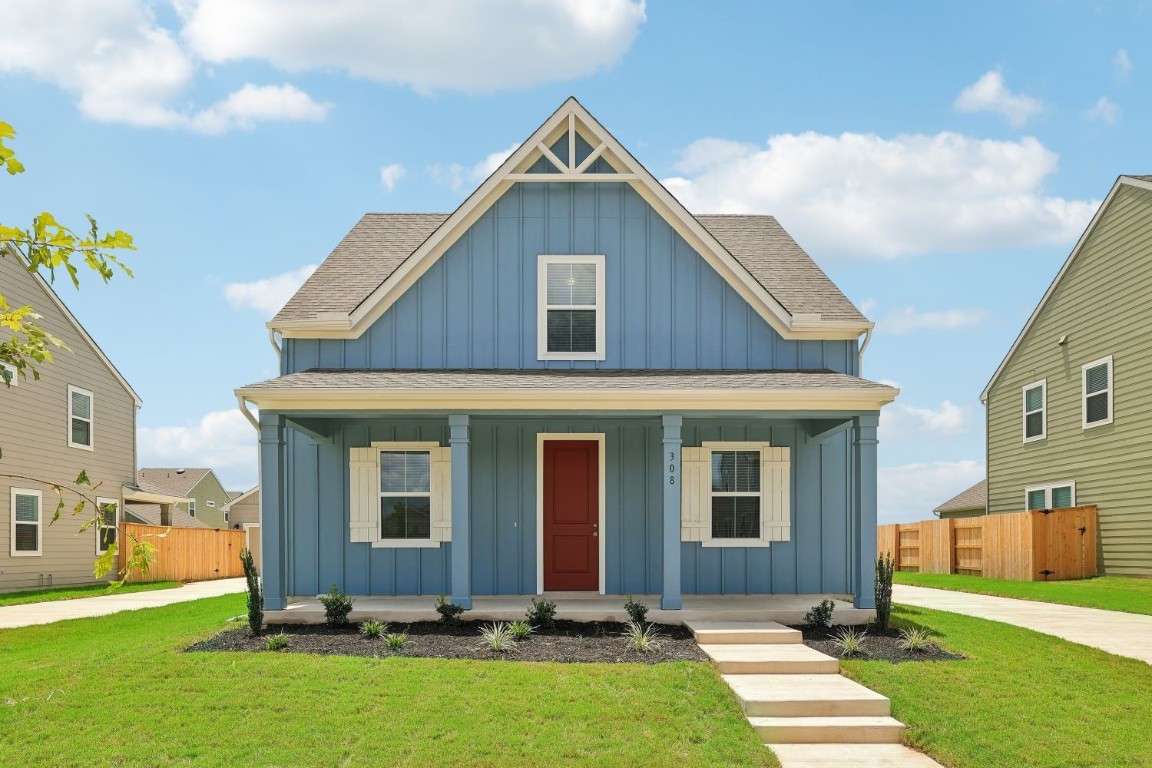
x: 670, y: 460
x: 864, y: 457
x: 458, y: 431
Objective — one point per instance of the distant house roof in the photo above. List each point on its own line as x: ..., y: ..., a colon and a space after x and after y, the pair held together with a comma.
x: 381, y: 242
x: 241, y: 496
x: 233, y: 495
x: 975, y: 497
x: 171, y: 480
x: 149, y: 514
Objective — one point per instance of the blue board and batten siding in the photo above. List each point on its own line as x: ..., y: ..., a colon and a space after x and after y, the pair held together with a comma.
x: 476, y: 306
x: 503, y: 504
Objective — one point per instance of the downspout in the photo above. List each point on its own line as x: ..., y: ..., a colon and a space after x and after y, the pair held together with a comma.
x: 272, y: 341
x: 860, y: 354
x: 241, y: 402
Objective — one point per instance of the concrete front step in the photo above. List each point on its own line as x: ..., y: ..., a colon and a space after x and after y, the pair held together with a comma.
x: 728, y: 632
x: 851, y: 756
x: 770, y: 658
x: 806, y: 696
x: 828, y: 730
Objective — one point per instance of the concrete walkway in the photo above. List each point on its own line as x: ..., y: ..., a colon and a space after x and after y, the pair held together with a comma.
x: 1123, y: 634
x: 86, y: 607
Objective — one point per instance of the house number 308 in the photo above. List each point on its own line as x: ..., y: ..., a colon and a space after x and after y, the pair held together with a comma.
x: 671, y: 467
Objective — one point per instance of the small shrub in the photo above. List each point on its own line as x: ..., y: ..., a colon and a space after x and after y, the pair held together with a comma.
x: 337, y: 606
x: 638, y: 612
x: 277, y: 642
x: 820, y: 615
x: 520, y: 630
x: 542, y: 613
x: 395, y: 641
x: 884, y: 568
x: 642, y: 638
x: 449, y: 612
x: 915, y: 639
x: 498, y: 637
x: 849, y: 641
x: 373, y: 629
x: 255, y: 592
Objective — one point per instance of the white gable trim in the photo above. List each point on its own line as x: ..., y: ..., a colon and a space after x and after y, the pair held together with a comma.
x: 242, y: 497
x: 569, y: 118
x: 1122, y: 181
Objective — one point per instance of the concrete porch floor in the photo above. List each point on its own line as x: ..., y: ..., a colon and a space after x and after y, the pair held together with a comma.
x: 784, y: 609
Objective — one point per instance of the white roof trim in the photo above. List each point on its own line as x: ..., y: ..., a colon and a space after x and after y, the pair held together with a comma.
x: 562, y: 120
x: 1121, y: 181
x: 247, y: 494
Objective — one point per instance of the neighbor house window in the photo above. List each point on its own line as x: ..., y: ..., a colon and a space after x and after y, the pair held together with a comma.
x: 736, y: 494
x: 405, y: 495
x: 1051, y: 496
x: 1097, y: 391
x: 27, y: 523
x: 108, y: 518
x: 192, y: 508
x: 1035, y: 410
x: 570, y: 322
x: 79, y: 418
x: 211, y: 504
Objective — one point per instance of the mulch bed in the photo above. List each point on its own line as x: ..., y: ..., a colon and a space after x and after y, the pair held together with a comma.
x: 877, y: 646
x: 569, y: 641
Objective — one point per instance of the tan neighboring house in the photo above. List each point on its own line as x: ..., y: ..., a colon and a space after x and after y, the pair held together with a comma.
x: 1070, y: 408
x: 244, y: 514
x: 970, y: 502
x: 205, y: 496
x: 80, y: 415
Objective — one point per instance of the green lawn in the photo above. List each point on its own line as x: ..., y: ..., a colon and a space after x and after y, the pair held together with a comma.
x: 1021, y: 699
x: 71, y: 593
x: 1112, y: 593
x: 117, y: 690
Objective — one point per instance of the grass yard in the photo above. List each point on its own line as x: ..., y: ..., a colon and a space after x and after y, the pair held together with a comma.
x: 1021, y: 699
x: 1112, y: 593
x: 117, y: 690
x: 72, y: 593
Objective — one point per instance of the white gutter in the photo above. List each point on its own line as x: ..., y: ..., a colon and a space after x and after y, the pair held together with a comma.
x: 860, y: 353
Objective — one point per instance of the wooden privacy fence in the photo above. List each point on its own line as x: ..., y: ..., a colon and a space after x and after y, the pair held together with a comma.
x: 185, y: 554
x: 1050, y: 545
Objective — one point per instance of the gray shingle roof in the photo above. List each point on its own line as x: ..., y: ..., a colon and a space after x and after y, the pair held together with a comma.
x: 170, y: 480
x: 149, y: 514
x: 319, y: 378
x: 1142, y: 178
x: 975, y: 497
x: 380, y: 242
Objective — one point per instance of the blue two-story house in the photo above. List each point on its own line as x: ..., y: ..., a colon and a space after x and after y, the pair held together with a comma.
x: 569, y: 384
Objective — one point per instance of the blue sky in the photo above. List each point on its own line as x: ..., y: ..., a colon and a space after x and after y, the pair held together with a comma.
x: 938, y: 160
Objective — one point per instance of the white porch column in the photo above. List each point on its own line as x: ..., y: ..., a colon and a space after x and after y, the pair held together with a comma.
x: 458, y: 431
x: 670, y: 460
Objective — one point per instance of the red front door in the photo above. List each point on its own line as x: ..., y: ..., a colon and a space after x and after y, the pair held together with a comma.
x: 571, y: 515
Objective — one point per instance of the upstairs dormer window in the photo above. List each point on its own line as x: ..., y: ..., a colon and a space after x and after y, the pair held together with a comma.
x: 570, y: 322
x: 1097, y: 392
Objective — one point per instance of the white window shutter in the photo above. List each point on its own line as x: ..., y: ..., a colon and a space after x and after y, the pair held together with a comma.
x: 363, y: 494
x: 696, y: 476
x: 442, y: 494
x: 776, y: 499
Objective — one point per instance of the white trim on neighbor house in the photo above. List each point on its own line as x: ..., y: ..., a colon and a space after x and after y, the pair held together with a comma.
x: 1043, y: 410
x: 191, y: 507
x: 39, y: 496
x: 91, y: 418
x: 569, y: 119
x: 417, y: 445
x: 541, y: 438
x: 543, y: 307
x: 1122, y: 181
x: 247, y: 494
x: 247, y: 528
x: 210, y: 503
x: 101, y: 524
x: 1108, y: 392
x: 1047, y: 488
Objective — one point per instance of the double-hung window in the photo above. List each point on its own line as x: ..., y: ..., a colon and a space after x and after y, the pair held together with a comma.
x: 1050, y: 496
x: 107, y: 519
x: 570, y: 311
x: 405, y: 495
x: 191, y: 507
x: 1035, y: 411
x: 80, y: 418
x: 27, y: 523
x: 1096, y: 378
x: 400, y: 494
x: 736, y: 494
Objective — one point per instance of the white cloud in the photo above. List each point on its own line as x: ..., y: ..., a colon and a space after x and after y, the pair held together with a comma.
x: 1122, y: 64
x: 456, y: 176
x: 901, y: 321
x: 910, y: 492
x: 124, y: 67
x: 222, y: 440
x: 390, y: 175
x: 428, y: 44
x: 1104, y: 111
x: 860, y: 195
x: 990, y: 94
x: 901, y: 420
x: 270, y: 294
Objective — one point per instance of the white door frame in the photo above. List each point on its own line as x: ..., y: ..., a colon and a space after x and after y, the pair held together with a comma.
x: 541, y: 437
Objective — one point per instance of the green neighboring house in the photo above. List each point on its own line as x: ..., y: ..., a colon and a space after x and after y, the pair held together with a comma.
x: 1070, y: 408
x: 971, y: 502
x: 207, y: 496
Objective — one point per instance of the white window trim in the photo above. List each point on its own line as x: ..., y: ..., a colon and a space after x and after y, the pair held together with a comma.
x: 101, y: 501
x: 210, y: 504
x: 542, y: 307
x: 15, y: 379
x: 39, y: 523
x: 1084, y: 393
x: 91, y: 419
x: 381, y: 543
x: 191, y: 507
x: 1043, y: 384
x: 1047, y: 488
x: 600, y: 438
x: 708, y: 541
